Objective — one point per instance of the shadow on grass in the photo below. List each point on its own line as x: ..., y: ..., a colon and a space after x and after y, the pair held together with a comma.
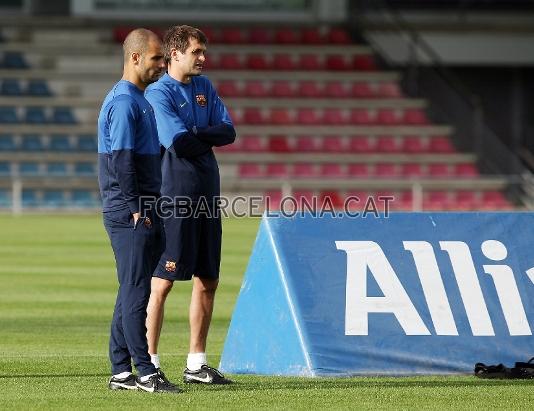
x: 72, y: 375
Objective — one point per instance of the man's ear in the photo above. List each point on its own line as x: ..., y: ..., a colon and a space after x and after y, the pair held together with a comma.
x: 175, y: 55
x: 136, y: 57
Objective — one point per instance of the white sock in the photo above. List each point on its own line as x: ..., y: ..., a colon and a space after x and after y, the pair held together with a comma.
x: 196, y: 360
x: 146, y: 377
x: 123, y: 375
x: 154, y: 358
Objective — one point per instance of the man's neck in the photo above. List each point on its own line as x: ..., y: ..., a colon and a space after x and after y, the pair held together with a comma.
x: 179, y: 76
x: 134, y: 79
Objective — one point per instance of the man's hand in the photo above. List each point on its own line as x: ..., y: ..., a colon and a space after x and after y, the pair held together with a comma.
x: 136, y: 217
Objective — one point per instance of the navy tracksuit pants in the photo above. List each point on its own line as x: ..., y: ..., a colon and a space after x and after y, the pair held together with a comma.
x: 137, y: 250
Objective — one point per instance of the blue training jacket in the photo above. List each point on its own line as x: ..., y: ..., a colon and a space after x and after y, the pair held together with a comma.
x: 191, y: 119
x: 129, y: 164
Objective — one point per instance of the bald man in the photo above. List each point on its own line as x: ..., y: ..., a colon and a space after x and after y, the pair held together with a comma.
x: 130, y: 181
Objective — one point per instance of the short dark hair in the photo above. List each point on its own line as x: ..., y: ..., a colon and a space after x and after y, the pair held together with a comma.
x: 177, y: 37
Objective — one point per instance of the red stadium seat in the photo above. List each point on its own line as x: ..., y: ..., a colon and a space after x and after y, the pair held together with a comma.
x: 283, y: 62
x: 362, y: 90
x: 415, y: 116
x: 332, y: 170
x: 333, y: 144
x: 228, y: 88
x: 257, y: 62
x: 304, y: 170
x: 230, y: 62
x: 336, y: 89
x: 387, y: 116
x: 494, y: 200
x: 252, y: 144
x: 232, y: 36
x: 249, y: 170
x: 360, y: 116
x: 358, y: 170
x: 311, y: 36
x: 256, y: 89
x: 309, y: 62
x: 413, y: 144
x: 253, y: 115
x: 282, y: 89
x: 436, y: 200
x: 309, y: 89
x: 306, y: 144
x: 439, y: 170
x: 386, y: 170
x: 277, y: 170
x: 307, y: 116
x: 120, y: 33
x: 211, y: 62
x: 280, y: 116
x: 272, y: 200
x: 440, y: 145
x: 404, y: 200
x: 364, y: 63
x: 235, y: 115
x: 334, y: 116
x: 337, y: 63
x: 286, y: 36
x: 260, y: 35
x: 279, y: 144
x: 331, y: 198
x: 339, y: 36
x: 360, y: 144
x: 386, y: 144
x: 304, y: 199
x: 467, y: 170
x: 389, y: 90
x: 211, y: 34
x: 412, y: 170
x: 466, y: 200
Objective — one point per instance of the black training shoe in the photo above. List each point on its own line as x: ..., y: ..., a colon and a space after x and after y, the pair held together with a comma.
x: 206, y: 375
x: 127, y: 383
x: 164, y: 378
x: 157, y: 383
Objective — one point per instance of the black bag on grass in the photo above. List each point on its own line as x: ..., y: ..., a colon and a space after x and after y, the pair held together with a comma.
x: 522, y: 370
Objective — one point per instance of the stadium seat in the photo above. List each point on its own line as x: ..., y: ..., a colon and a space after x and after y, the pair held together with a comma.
x: 277, y: 170
x: 286, y: 36
x: 28, y: 168
x: 436, y: 200
x: 336, y: 89
x: 440, y: 145
x: 7, y: 142
x: 332, y: 170
x: 414, y: 116
x: 279, y: 144
x: 230, y: 62
x: 282, y: 89
x: 358, y: 170
x: 333, y: 144
x: 307, y: 116
x: 439, y: 170
x: 339, y: 36
x: 386, y: 144
x: 389, y: 90
x: 53, y: 198
x: 304, y: 170
x: 228, y: 88
x: 87, y: 142
x: 280, y: 116
x: 252, y: 144
x: 32, y: 142
x: 412, y: 170
x: 303, y: 195
x: 120, y: 33
x: 311, y: 36
x: 337, y: 63
x: 364, y: 63
x: 467, y: 170
x: 63, y: 115
x: 331, y: 198
x: 260, y: 35
x: 232, y: 36
x: 84, y: 169
x: 56, y: 168
x: 360, y: 144
x: 257, y: 62
x: 360, y: 116
x: 283, y: 62
x: 465, y: 200
x: 249, y: 170
x: 11, y: 87
x: 38, y: 88
x: 494, y: 200
x: 8, y: 115
x: 362, y: 90
x: 35, y: 115
x: 309, y: 89
x: 413, y: 145
x: 386, y: 170
x: 306, y: 144
x: 334, y: 116
x: 253, y: 115
x: 29, y: 198
x: 387, y: 116
x: 309, y: 62
x: 5, y: 168
x: 14, y: 60
x: 59, y: 142
x: 82, y: 198
x: 272, y: 200
x: 405, y: 200
x: 256, y: 89
x: 212, y: 35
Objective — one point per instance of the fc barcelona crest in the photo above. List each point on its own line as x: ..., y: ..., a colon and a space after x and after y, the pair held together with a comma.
x: 201, y: 100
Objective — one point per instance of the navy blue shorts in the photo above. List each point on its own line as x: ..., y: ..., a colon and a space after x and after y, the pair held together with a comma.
x: 192, y: 247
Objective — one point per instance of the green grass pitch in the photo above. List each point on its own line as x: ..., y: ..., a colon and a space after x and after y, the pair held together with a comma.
x: 57, y: 290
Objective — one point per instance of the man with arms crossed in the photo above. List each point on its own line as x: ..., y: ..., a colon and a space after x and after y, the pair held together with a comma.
x: 129, y: 168
x: 191, y: 119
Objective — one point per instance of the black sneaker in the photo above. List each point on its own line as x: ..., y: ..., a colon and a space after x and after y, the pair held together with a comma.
x: 157, y: 383
x: 206, y: 375
x: 164, y: 378
x: 127, y: 383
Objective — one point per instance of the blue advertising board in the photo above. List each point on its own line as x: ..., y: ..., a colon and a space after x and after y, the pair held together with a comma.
x: 413, y: 293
